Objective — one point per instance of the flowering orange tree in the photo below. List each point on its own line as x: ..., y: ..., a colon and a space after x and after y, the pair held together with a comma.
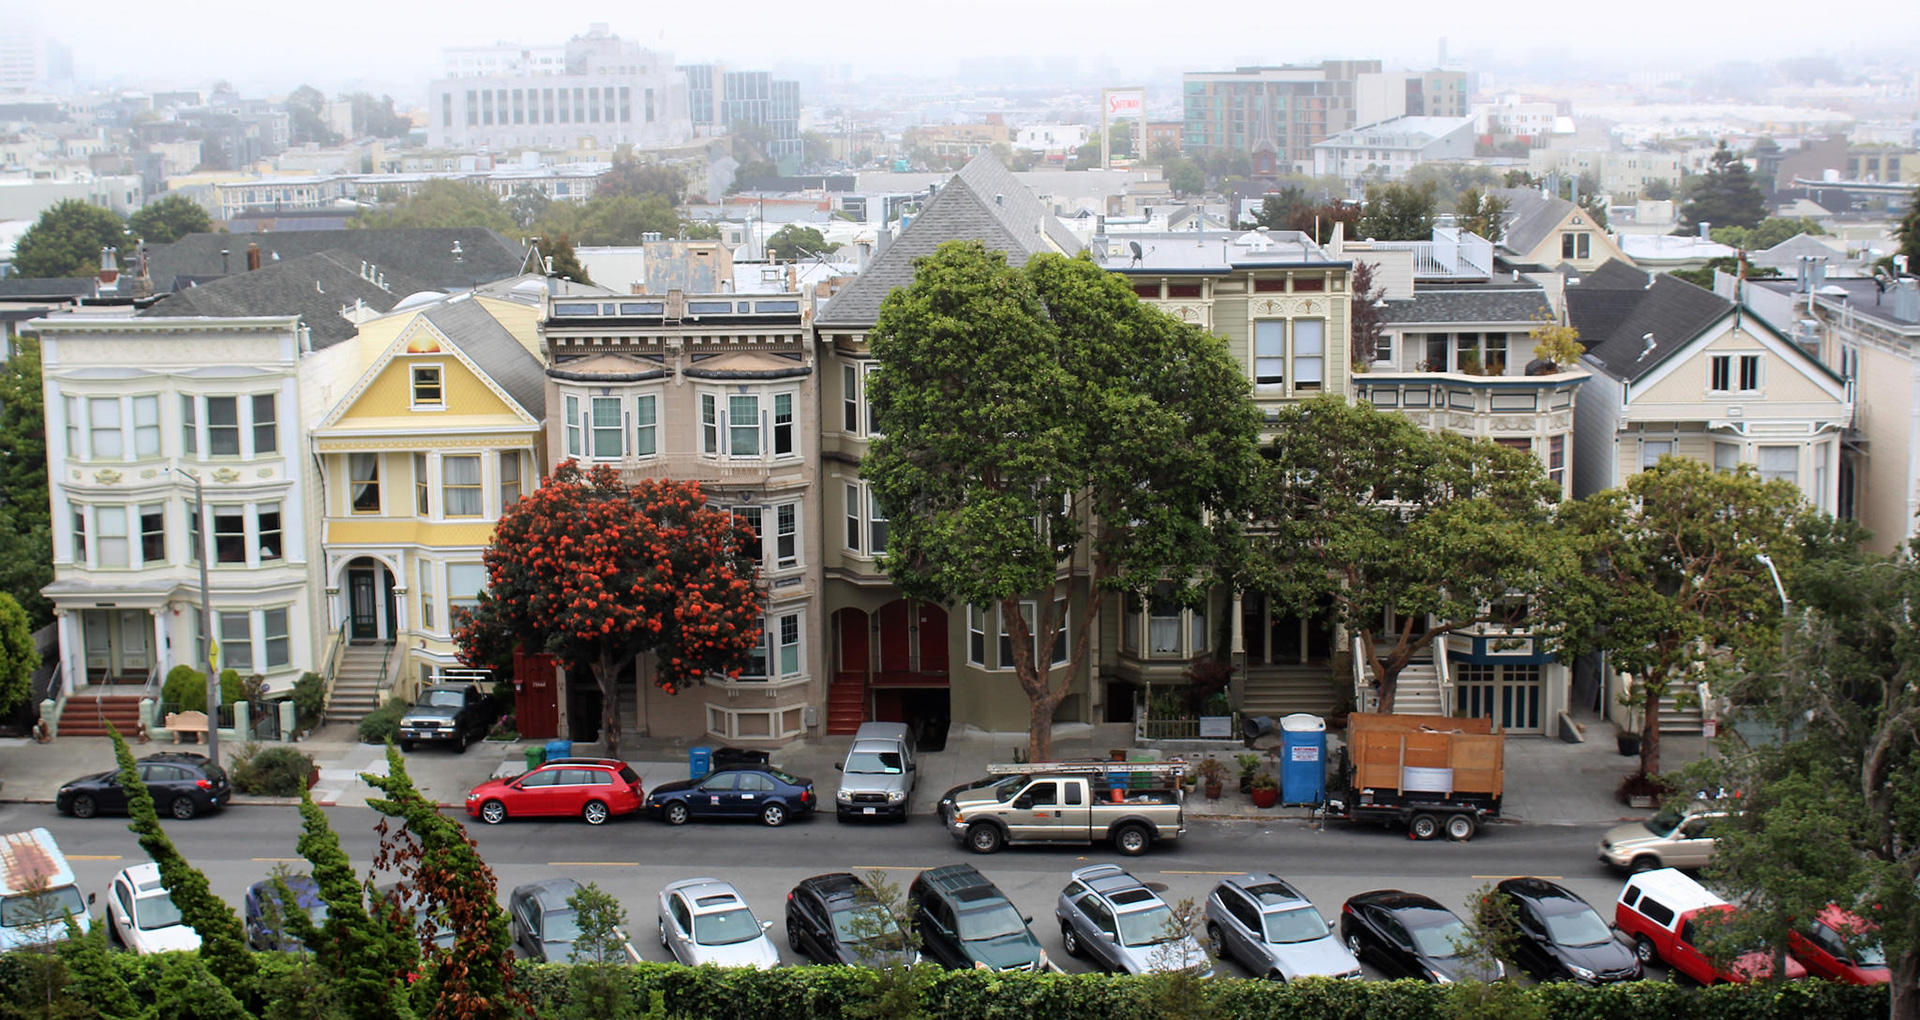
x: 597, y: 573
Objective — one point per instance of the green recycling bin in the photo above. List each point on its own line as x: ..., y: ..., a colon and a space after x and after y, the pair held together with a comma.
x: 535, y: 755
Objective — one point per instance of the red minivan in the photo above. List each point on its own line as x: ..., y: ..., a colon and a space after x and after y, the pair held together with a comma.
x: 1662, y: 911
x: 593, y: 789
x: 1840, y: 946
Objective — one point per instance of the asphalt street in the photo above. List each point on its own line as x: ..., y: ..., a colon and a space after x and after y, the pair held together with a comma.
x: 634, y: 857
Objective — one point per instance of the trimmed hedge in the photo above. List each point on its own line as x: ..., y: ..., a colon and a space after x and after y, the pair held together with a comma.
x: 827, y: 993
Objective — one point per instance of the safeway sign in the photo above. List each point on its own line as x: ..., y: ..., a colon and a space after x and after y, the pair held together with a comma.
x: 1126, y: 104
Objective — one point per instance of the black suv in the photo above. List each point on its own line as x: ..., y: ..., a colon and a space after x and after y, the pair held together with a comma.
x: 965, y: 921
x: 837, y: 919
x: 183, y: 785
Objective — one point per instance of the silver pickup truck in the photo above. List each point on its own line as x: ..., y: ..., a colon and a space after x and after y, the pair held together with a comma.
x: 1043, y: 808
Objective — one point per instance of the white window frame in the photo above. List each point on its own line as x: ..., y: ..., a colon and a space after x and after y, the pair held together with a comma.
x: 786, y: 535
x: 1299, y: 359
x: 1761, y: 456
x: 354, y: 483
x: 1651, y: 450
x: 456, y: 600
x: 574, y: 425
x: 439, y: 385
x: 646, y: 425
x: 1269, y: 354
x: 228, y: 642
x: 720, y: 432
x: 140, y: 512
x: 856, y: 533
x: 97, y: 427
x: 284, y: 637
x: 976, y: 635
x: 852, y: 414
x: 511, y: 478
x: 1190, y: 629
x: 478, y: 487
x: 112, y: 545
x: 427, y: 618
x: 1752, y: 373
x: 867, y: 531
x: 146, y: 433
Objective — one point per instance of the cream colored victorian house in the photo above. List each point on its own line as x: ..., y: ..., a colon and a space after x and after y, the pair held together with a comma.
x: 432, y: 426
x: 1542, y: 231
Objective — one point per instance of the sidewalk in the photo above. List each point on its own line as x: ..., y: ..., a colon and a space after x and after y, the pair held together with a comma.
x: 1548, y: 782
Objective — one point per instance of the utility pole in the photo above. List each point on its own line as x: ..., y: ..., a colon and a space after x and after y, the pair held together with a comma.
x: 206, y: 622
x: 1786, y: 621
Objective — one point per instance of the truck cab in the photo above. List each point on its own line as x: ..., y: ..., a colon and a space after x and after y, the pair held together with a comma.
x: 456, y: 714
x: 1070, y: 803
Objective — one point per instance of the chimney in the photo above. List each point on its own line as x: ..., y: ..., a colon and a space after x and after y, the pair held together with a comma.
x: 1906, y: 300
x: 253, y: 256
x: 866, y: 254
x: 1706, y: 231
x: 109, y: 269
x: 224, y: 268
x: 883, y: 238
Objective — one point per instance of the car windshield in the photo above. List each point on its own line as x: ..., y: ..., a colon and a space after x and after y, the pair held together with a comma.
x: 1440, y: 940
x: 725, y: 927
x: 786, y: 777
x: 1578, y: 928
x: 1664, y: 823
x: 154, y: 912
x: 1869, y: 955
x: 875, y: 763
x: 1006, y: 790
x: 1300, y: 924
x: 1147, y: 927
x: 445, y: 699
x: 24, y: 912
x: 996, y: 921
x: 561, y: 926
x: 867, y: 925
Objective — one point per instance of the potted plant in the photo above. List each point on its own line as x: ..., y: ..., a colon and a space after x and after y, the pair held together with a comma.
x: 1249, y: 764
x: 1640, y: 790
x: 1628, y: 741
x: 1266, y: 790
x: 1213, y: 772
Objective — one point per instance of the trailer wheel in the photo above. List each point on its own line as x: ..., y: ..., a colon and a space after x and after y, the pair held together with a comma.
x: 1423, y: 826
x: 1461, y: 828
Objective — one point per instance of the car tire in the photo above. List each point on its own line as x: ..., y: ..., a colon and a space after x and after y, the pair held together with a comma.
x: 493, y: 812
x: 663, y: 938
x: 1354, y: 944
x: 1069, y: 941
x: 675, y: 813
x: 183, y: 808
x: 595, y: 813
x: 1643, y: 864
x: 984, y: 838
x: 1643, y: 950
x: 774, y: 815
x: 1132, y: 840
x: 460, y: 743
x: 793, y: 941
x: 406, y: 746
x: 1460, y: 828
x: 1423, y: 826
x: 83, y: 807
x: 1216, y: 942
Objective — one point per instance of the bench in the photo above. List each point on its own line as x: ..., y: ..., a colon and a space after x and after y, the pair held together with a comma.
x: 192, y: 723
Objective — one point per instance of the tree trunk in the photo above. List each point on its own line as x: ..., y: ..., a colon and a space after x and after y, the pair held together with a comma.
x: 607, y: 672
x: 1040, y: 727
x: 1905, y: 986
x: 1650, y: 733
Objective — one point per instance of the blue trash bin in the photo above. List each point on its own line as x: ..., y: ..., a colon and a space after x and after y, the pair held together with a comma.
x: 699, y: 762
x: 559, y: 749
x: 1303, y: 759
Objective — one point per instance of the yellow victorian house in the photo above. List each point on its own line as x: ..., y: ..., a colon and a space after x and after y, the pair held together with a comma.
x: 433, y: 426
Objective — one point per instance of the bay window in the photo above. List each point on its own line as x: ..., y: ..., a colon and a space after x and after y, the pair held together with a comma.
x: 460, y: 486
x: 646, y: 414
x: 229, y: 535
x: 223, y: 426
x: 103, y: 415
x: 606, y: 427
x: 509, y: 478
x: 976, y: 635
x: 146, y: 426
x: 111, y: 522
x: 236, y: 641
x: 279, y: 638
x: 464, y: 582
x: 363, y: 472
x: 573, y: 426
x: 786, y: 535
x: 153, y: 535
x: 266, y: 438
x: 743, y: 425
x: 267, y: 520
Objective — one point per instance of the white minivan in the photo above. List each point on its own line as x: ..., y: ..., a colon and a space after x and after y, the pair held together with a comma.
x: 878, y: 777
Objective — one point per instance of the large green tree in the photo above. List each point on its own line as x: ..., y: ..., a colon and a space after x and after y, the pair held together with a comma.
x: 365, y: 947
x: 1368, y: 513
x: 443, y: 204
x: 1673, y: 587
x: 1726, y: 196
x: 794, y: 241
x: 1771, y: 231
x: 1027, y: 413
x: 26, y: 543
x: 1398, y: 212
x: 169, y: 220
x: 18, y: 657
x: 1909, y: 234
x: 629, y: 176
x: 305, y: 123
x: 66, y: 241
x: 564, y: 262
x: 598, y: 572
x: 1482, y: 213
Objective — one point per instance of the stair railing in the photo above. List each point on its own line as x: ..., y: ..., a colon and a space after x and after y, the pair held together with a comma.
x: 1444, y: 675
x: 335, y: 653
x: 1363, y: 698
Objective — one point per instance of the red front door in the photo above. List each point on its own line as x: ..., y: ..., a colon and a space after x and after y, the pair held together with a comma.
x: 896, y: 638
x: 933, y: 638
x: 536, y: 696
x: 856, y: 644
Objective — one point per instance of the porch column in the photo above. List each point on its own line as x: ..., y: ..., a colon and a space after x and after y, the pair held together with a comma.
x: 162, y: 651
x: 73, y: 654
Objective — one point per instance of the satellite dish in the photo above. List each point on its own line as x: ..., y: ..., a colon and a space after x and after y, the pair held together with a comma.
x: 1134, y: 246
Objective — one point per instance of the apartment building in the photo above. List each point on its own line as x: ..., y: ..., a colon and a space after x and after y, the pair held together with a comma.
x: 1387, y: 150
x: 1620, y: 175
x: 1274, y: 114
x: 719, y: 98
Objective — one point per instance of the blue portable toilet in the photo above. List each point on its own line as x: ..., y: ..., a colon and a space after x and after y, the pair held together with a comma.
x: 699, y: 762
x: 1303, y: 759
x: 559, y: 749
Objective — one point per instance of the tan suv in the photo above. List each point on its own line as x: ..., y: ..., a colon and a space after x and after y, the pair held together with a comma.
x: 1670, y: 839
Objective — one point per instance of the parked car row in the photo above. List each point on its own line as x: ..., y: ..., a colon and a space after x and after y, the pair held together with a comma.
x: 1670, y: 918
x: 597, y: 790
x: 184, y: 785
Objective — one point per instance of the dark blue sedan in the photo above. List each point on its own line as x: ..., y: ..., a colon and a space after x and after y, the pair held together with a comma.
x: 760, y: 791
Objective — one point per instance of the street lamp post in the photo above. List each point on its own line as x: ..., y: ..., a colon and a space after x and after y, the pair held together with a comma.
x: 1786, y: 618
x: 206, y: 622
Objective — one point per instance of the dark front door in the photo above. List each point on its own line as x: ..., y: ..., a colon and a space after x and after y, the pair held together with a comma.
x: 362, y: 590
x: 536, y: 698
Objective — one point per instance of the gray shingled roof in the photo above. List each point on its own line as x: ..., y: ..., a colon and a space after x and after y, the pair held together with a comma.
x: 1617, y: 307
x: 423, y: 253
x: 983, y: 202
x: 315, y: 287
x: 481, y: 338
x: 18, y: 288
x: 1530, y: 217
x: 1469, y: 304
x: 1785, y: 256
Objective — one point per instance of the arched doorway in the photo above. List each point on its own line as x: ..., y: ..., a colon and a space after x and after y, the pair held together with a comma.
x: 371, y: 614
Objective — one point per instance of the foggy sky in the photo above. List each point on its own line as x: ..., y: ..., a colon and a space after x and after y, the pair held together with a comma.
x: 394, y: 45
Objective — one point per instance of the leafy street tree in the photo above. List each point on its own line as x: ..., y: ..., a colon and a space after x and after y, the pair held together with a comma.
x: 66, y: 241
x: 304, y: 121
x: 441, y: 870
x: 1726, y: 196
x: 623, y: 219
x: 374, y: 118
x: 1028, y: 413
x: 1282, y: 209
x: 629, y: 176
x: 1451, y: 180
x: 597, y: 573
x: 1673, y: 588
x: 528, y: 205
x: 1366, y: 323
x: 169, y: 220
x: 600, y: 987
x: 442, y: 204
x: 365, y: 951
x: 223, y: 943
x: 18, y: 657
x: 1478, y: 212
x: 794, y: 242
x: 92, y: 977
x: 1909, y: 234
x: 26, y: 536
x: 1398, y: 212
x: 1832, y: 813
x: 1375, y: 518
x: 1771, y: 231
x: 559, y: 249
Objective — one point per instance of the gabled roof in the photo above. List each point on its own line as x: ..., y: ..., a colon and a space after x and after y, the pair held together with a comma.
x: 423, y: 253
x: 16, y: 288
x: 1493, y: 303
x: 315, y: 287
x: 1631, y: 320
x: 494, y: 351
x: 1785, y: 256
x: 1530, y: 217
x: 983, y: 202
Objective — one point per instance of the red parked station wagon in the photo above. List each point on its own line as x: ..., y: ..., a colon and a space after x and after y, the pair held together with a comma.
x: 1662, y: 912
x: 592, y: 789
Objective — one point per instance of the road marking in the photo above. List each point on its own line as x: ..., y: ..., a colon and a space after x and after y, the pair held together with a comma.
x: 593, y: 864
x: 889, y: 867
x: 279, y: 860
x: 1556, y: 878
x: 1164, y: 872
x: 93, y: 857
